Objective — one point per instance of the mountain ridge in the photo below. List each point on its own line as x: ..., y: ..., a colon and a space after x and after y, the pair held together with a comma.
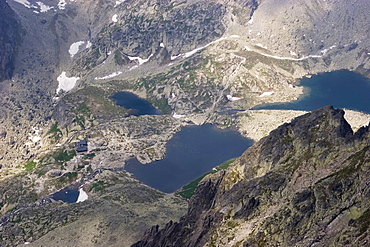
x: 272, y: 195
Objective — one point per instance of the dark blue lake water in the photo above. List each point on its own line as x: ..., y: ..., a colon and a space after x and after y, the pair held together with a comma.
x: 66, y: 195
x: 342, y: 89
x: 195, y: 150
x: 191, y: 153
x: 138, y: 106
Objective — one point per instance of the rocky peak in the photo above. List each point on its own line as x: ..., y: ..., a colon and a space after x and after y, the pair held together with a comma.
x: 323, y: 128
x: 295, y: 184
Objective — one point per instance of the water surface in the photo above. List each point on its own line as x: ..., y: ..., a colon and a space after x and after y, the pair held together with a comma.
x: 138, y: 106
x: 342, y: 89
x: 66, y: 195
x: 192, y: 152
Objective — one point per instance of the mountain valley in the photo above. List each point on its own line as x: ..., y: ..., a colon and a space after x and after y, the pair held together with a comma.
x: 197, y: 62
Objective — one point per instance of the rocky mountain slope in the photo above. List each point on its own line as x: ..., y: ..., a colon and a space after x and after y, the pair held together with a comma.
x: 10, y: 39
x: 305, y: 184
x: 62, y: 60
x: 189, y: 58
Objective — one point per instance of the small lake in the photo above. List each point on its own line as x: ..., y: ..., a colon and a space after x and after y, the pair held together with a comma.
x: 342, y: 89
x: 138, y: 106
x: 66, y: 195
x: 192, y: 152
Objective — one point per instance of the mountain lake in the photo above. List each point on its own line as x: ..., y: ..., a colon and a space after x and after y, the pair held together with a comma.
x: 138, y: 106
x: 66, y: 195
x: 342, y: 89
x: 196, y: 150
x: 192, y: 152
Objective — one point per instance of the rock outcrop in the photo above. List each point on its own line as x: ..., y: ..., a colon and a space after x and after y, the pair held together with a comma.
x: 10, y: 39
x: 306, y: 184
x: 195, y: 61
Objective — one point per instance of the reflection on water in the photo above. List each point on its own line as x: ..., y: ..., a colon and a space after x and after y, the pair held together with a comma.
x: 342, y: 89
x: 137, y: 105
x: 191, y: 153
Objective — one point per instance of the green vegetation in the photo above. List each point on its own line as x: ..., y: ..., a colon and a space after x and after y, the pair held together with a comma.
x: 118, y: 58
x: 88, y: 156
x: 187, y: 191
x: 363, y: 222
x: 98, y: 186
x: 162, y: 105
x: 68, y: 177
x: 82, y: 108
x: 30, y: 165
x: 93, y: 101
x: 61, y: 156
x: 80, y: 121
x: 53, y: 129
x: 54, y: 132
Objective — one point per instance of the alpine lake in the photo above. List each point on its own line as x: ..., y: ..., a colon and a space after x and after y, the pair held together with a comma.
x: 197, y: 150
x: 341, y: 89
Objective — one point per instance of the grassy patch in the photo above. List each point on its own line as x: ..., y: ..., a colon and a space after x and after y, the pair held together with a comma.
x: 30, y: 165
x: 82, y: 108
x: 54, y: 132
x: 53, y: 129
x: 61, y: 156
x: 187, y: 191
x: 162, y: 105
x: 98, y: 186
x: 88, y: 156
x: 80, y: 121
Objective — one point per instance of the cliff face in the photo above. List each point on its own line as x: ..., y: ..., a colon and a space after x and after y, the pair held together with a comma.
x: 306, y: 184
x: 188, y: 58
x: 10, y: 38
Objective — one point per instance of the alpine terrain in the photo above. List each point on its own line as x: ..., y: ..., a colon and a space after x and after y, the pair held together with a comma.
x: 304, y: 183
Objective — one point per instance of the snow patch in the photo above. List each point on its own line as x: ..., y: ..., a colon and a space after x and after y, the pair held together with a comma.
x: 34, y: 136
x: 266, y: 94
x: 190, y: 53
x: 262, y: 46
x: 73, y: 49
x: 44, y: 8
x: 140, y: 60
x: 232, y: 98
x: 161, y: 45
x: 115, y: 18
x: 284, y: 58
x: 177, y: 56
x: 178, y: 116
x: 324, y: 51
x: 134, y: 67
x: 114, y: 74
x: 88, y: 44
x: 82, y: 196
x: 62, y: 4
x: 24, y: 2
x: 66, y: 83
x: 119, y: 2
